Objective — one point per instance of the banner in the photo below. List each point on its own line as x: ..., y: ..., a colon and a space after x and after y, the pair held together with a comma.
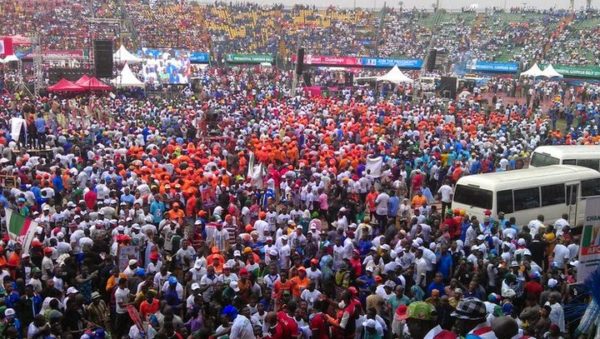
x: 374, y: 165
x: 325, y: 60
x: 125, y: 254
x: 165, y: 66
x: 589, y: 249
x: 389, y: 63
x: 199, y: 57
x: 248, y: 58
x: 577, y: 71
x: 20, y: 228
x: 6, y: 47
x: 493, y: 67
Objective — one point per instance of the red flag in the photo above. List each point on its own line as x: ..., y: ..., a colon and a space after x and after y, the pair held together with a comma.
x: 6, y: 47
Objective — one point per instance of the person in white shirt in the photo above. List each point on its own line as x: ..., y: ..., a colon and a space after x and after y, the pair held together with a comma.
x: 445, y: 192
x: 241, y: 327
x: 310, y: 295
x: 561, y: 255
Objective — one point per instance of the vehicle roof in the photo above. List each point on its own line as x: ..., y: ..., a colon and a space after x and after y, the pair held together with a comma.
x: 563, y: 150
x: 532, y: 176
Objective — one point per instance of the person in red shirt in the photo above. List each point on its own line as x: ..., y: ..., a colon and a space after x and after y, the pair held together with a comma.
x: 90, y: 198
x: 533, y: 289
x: 318, y: 324
x: 356, y: 263
x: 149, y: 306
x: 286, y: 318
x: 276, y: 329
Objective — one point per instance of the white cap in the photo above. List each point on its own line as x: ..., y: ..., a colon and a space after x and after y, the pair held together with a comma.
x: 72, y: 290
x: 132, y: 262
x: 521, y: 242
x: 46, y: 208
x: 480, y: 237
x: 369, y: 269
x: 385, y: 247
x: 9, y: 312
x: 234, y: 286
x: 369, y: 323
x: 195, y: 286
x: 552, y: 282
x: 237, y: 253
x: 284, y: 237
x: 390, y: 284
x: 273, y: 252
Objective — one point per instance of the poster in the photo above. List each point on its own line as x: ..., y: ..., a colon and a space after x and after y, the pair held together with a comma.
x: 166, y: 66
x: 125, y: 254
x: 589, y: 249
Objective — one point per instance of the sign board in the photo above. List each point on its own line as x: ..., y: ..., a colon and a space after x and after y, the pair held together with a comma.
x: 125, y: 254
x: 493, y: 67
x: 199, y: 57
x: 389, y: 63
x: 248, y: 58
x: 589, y: 249
x: 577, y: 71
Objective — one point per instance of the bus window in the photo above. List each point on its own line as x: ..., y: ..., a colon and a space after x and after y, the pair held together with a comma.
x: 504, y: 201
x: 473, y: 196
x: 542, y: 159
x: 590, y: 187
x: 589, y: 163
x: 553, y: 195
x: 527, y: 198
x: 569, y: 162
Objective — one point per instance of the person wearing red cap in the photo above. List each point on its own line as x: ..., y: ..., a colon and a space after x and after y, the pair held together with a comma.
x: 356, y: 263
x: 245, y: 286
x: 47, y: 263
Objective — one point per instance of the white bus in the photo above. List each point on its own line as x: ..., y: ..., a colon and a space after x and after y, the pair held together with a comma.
x: 527, y: 193
x: 584, y: 155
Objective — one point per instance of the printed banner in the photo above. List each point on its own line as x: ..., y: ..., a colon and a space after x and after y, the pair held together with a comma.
x: 374, y: 165
x: 248, y: 58
x: 493, y: 67
x: 589, y: 249
x: 389, y: 63
x: 199, y: 58
x: 326, y: 60
x: 6, y: 47
x: 577, y: 71
x: 20, y: 228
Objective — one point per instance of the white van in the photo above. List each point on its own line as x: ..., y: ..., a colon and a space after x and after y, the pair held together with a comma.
x: 527, y: 193
x: 584, y: 155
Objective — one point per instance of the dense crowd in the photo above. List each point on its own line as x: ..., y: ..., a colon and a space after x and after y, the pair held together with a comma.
x: 554, y: 36
x: 277, y: 228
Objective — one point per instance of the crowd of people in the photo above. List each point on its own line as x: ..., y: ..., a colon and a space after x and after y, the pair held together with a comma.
x: 145, y: 226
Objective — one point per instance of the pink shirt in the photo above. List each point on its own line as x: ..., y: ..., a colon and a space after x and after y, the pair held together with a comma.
x: 323, y: 204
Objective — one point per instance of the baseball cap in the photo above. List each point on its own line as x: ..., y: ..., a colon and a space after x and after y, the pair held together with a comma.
x: 369, y: 323
x: 195, y: 286
x: 470, y: 309
x: 234, y: 286
x: 72, y: 290
x: 421, y: 310
x: 552, y: 282
x: 402, y: 312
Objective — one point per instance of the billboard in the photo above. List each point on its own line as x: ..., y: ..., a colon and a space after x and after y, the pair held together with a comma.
x: 589, y: 249
x: 493, y: 66
x: 165, y: 66
x: 199, y: 57
x: 388, y: 63
x: 248, y: 58
x: 577, y: 71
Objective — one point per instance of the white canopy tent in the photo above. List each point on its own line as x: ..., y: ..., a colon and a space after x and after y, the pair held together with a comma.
x: 10, y: 58
x: 395, y: 76
x: 550, y: 72
x: 534, y: 72
x: 126, y: 79
x: 122, y: 55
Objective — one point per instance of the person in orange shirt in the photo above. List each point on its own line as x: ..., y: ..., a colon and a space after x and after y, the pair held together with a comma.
x: 3, y: 262
x: 216, y: 260
x: 299, y: 282
x: 14, y: 261
x: 371, y: 196
x: 150, y: 305
x: 418, y: 200
x: 280, y: 286
x: 176, y: 214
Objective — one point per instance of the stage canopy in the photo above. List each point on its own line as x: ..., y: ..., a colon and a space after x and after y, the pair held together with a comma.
x: 395, y: 76
x: 550, y: 72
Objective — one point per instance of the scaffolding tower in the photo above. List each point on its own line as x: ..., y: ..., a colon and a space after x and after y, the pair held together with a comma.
x: 38, y: 76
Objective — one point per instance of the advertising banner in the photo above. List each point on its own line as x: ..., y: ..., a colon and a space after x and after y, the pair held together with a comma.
x: 165, y: 66
x: 6, y: 47
x: 493, y: 67
x: 389, y: 63
x: 199, y: 57
x: 248, y: 58
x: 589, y: 249
x: 325, y: 60
x: 577, y: 71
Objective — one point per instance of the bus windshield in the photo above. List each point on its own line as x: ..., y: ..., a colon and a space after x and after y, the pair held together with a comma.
x: 473, y: 196
x: 542, y: 159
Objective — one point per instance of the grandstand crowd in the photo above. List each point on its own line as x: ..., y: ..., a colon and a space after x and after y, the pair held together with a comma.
x: 238, y: 208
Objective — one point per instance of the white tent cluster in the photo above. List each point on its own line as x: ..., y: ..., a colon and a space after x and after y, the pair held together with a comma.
x: 126, y: 79
x: 394, y: 76
x: 9, y: 58
x: 122, y: 55
x: 535, y: 72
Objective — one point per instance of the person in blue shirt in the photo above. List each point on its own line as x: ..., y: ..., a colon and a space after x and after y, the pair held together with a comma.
x: 127, y: 197
x: 157, y: 209
x: 57, y: 183
x: 437, y: 284
x: 366, y: 281
x: 393, y: 207
x: 445, y: 264
x: 40, y: 126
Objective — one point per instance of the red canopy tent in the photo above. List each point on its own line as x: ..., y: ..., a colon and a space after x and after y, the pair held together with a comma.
x: 65, y: 85
x: 94, y: 84
x: 82, y: 81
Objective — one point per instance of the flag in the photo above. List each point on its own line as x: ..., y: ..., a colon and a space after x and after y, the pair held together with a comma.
x: 20, y: 228
x: 2, y: 47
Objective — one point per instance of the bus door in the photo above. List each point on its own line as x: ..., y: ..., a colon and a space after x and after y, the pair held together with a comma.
x: 572, y: 191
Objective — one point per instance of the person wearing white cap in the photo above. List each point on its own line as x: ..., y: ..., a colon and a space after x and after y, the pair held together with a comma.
x: 129, y: 271
x: 284, y: 253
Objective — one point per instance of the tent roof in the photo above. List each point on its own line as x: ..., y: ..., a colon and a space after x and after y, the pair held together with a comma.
x: 65, y: 85
x: 123, y: 55
x: 126, y: 79
x: 83, y: 80
x: 534, y: 71
x: 550, y: 72
x: 395, y: 76
x: 17, y: 39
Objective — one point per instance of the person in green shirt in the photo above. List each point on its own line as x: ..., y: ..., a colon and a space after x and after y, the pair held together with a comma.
x: 396, y: 300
